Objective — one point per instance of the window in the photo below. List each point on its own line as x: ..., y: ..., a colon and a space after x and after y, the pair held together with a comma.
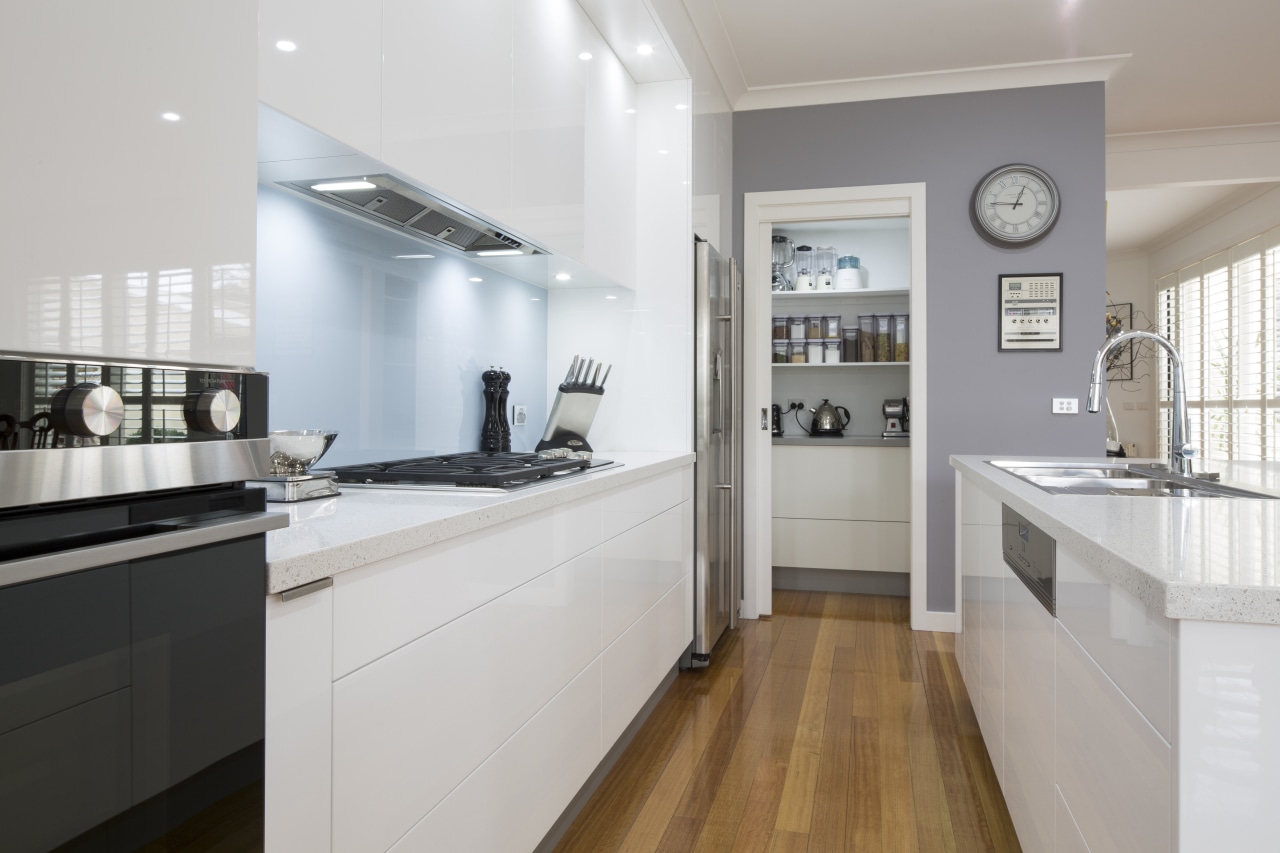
x: 1221, y: 314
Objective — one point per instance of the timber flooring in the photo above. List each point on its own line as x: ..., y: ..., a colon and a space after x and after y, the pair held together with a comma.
x: 829, y: 727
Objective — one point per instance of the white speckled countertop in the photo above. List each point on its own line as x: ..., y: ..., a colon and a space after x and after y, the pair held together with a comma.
x: 1216, y: 559
x: 360, y: 526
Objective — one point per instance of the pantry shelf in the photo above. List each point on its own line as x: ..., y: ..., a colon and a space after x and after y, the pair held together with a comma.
x: 801, y: 296
x: 850, y: 364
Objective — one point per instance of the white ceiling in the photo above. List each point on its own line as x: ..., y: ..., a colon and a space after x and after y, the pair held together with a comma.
x: 1168, y: 65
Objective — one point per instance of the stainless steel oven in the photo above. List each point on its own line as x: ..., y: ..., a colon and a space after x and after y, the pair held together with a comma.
x: 132, y: 607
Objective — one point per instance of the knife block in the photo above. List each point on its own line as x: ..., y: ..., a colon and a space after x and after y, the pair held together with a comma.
x: 571, y: 417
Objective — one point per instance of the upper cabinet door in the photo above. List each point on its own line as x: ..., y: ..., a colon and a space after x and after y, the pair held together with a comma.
x: 447, y: 97
x: 332, y: 78
x: 129, y: 235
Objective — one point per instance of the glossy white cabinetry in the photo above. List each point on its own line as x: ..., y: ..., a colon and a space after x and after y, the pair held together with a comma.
x: 1113, y: 768
x: 495, y: 668
x: 299, y: 724
x: 841, y: 508
x: 130, y: 236
x: 1028, y: 716
x: 1067, y: 836
x: 332, y: 81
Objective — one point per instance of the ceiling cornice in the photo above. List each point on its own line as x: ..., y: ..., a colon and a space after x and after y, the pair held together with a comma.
x: 1209, y: 155
x: 1016, y: 76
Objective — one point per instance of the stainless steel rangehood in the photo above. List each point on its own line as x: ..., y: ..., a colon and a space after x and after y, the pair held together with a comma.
x: 390, y: 202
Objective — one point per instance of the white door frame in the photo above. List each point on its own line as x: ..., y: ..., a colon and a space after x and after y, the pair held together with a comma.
x: 761, y: 211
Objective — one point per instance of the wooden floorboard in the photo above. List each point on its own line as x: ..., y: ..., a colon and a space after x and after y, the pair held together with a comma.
x: 830, y: 726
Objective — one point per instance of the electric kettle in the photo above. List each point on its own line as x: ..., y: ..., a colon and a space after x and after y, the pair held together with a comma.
x: 827, y: 421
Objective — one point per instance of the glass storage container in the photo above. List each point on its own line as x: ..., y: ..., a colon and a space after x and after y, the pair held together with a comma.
x: 804, y: 268
x: 797, y: 351
x: 824, y: 268
x: 851, y: 352
x: 780, y: 329
x: 813, y: 328
x: 867, y: 337
x: 884, y: 337
x: 901, y: 337
x: 831, y: 327
x: 797, y: 327
x: 831, y: 352
x: 813, y: 351
x: 781, y: 352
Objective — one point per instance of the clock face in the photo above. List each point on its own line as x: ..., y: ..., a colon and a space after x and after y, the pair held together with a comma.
x: 1016, y: 204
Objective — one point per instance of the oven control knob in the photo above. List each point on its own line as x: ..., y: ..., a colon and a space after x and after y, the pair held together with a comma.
x: 214, y: 411
x: 89, y: 409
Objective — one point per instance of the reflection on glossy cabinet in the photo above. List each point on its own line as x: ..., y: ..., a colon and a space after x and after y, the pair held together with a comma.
x: 1029, y: 716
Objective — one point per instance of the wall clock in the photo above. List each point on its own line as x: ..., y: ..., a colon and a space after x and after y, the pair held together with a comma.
x: 1015, y: 204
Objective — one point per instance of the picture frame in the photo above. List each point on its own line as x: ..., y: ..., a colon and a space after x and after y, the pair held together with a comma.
x: 1120, y: 360
x: 1029, y: 312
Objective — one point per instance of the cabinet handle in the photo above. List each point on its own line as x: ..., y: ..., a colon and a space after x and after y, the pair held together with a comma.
x: 306, y: 589
x: 764, y: 419
x: 724, y: 485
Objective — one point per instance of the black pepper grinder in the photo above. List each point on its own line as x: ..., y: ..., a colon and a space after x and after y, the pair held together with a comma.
x: 491, y: 430
x: 504, y: 428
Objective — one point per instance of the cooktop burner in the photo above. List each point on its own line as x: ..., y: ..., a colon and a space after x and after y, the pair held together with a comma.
x: 476, y: 469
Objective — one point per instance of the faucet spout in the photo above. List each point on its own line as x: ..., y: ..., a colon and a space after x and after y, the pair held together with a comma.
x: 1181, y: 450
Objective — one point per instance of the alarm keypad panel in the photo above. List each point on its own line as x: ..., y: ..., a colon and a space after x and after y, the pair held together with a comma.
x: 1031, y: 312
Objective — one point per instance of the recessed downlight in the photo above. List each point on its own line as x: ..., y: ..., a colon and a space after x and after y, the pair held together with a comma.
x: 644, y: 49
x: 170, y: 116
x: 286, y: 45
x: 412, y: 257
x: 663, y: 151
x: 585, y: 55
x: 611, y: 297
x: 477, y: 279
x: 534, y: 299
x: 563, y: 276
x: 682, y: 106
x: 498, y: 253
x: 630, y: 111
x: 342, y: 186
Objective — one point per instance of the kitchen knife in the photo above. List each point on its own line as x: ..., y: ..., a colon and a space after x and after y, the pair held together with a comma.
x: 606, y: 377
x: 582, y: 368
x: 573, y: 368
x: 595, y: 378
x: 586, y: 374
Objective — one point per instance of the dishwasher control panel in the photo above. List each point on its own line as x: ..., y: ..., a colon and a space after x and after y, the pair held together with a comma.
x: 1032, y: 555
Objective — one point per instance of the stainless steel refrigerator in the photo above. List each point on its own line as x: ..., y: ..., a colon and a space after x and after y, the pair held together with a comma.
x: 718, y: 445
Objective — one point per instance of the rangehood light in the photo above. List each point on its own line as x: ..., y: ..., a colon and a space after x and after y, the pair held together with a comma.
x: 286, y: 45
x: 564, y: 276
x: 477, y: 279
x: 585, y: 55
x: 412, y: 257
x: 498, y: 253
x: 170, y: 116
x: 342, y: 186
x: 611, y: 297
x: 644, y: 49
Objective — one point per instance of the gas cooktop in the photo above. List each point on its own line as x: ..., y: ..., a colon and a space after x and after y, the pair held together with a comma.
x: 476, y: 470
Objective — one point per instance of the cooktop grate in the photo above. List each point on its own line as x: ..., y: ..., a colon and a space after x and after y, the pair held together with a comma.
x: 494, y: 470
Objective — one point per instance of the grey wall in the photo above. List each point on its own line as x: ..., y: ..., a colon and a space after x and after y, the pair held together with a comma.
x: 388, y: 352
x: 980, y: 401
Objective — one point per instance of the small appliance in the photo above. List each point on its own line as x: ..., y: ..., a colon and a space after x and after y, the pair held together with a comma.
x: 777, y: 420
x: 784, y: 255
x: 293, y: 453
x: 827, y: 420
x: 895, y: 418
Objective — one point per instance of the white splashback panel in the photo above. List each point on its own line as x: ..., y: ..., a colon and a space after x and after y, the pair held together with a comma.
x: 129, y: 236
x: 388, y: 352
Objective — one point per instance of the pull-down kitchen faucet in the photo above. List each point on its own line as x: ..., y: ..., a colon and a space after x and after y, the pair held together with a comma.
x: 1181, y: 450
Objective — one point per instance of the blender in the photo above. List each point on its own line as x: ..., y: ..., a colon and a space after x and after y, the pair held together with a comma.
x: 784, y: 255
x: 804, y: 268
x: 825, y: 268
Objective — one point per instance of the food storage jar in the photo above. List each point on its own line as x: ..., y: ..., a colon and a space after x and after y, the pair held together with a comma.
x: 814, y: 351
x: 781, y: 352
x: 780, y: 331
x: 884, y: 337
x: 797, y: 327
x: 851, y: 352
x: 813, y: 328
x: 824, y: 268
x: 901, y: 336
x: 867, y: 337
x: 804, y: 268
x: 831, y: 327
x: 831, y: 352
x: 797, y: 351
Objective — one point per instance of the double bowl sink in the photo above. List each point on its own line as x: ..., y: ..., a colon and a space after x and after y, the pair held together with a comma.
x: 1119, y: 479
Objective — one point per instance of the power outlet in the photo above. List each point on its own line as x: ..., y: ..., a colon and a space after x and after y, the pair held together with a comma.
x: 1066, y: 405
x: 519, y: 415
x: 795, y: 404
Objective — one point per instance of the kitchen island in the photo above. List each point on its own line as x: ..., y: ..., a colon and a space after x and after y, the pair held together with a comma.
x: 1145, y: 715
x: 446, y: 670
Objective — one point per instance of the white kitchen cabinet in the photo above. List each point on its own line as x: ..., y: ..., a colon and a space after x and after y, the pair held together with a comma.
x: 299, y: 724
x: 641, y: 566
x: 1067, y: 837
x: 1113, y: 768
x: 625, y: 508
x: 841, y: 508
x: 134, y: 236
x: 1029, y: 716
x: 991, y: 663
x: 333, y: 80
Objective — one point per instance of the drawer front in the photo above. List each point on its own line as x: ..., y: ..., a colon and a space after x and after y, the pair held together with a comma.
x: 1067, y: 837
x: 410, y: 726
x: 873, y: 546
x: 1114, y: 770
x: 1028, y: 720
x: 383, y: 606
x: 1130, y: 641
x: 853, y: 483
x: 642, y: 565
x: 635, y: 504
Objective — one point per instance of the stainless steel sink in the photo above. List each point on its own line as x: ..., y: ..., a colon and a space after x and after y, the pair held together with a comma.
x: 1119, y: 479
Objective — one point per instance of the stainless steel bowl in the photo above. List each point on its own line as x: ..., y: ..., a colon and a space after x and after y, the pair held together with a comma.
x: 294, y: 451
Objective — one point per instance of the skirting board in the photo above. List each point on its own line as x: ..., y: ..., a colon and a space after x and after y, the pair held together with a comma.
x: 579, y: 801
x: 833, y: 580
